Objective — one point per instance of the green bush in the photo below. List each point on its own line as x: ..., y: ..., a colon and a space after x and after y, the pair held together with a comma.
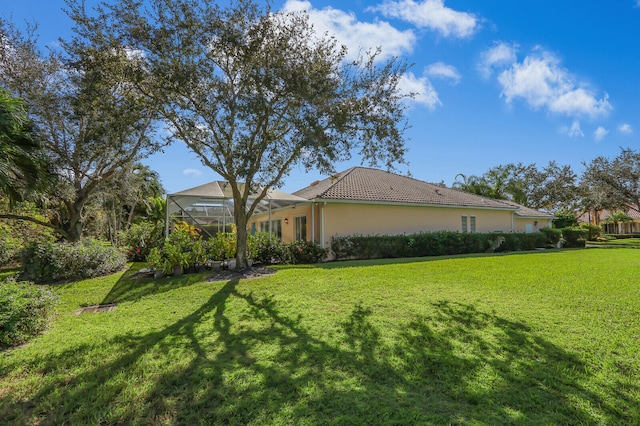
x: 593, y: 231
x: 16, y: 234
x: 552, y: 235
x: 263, y: 249
x: 139, y: 239
x: 45, y: 262
x: 574, y: 237
x: 565, y: 219
x: 431, y: 244
x: 306, y: 252
x: 26, y: 311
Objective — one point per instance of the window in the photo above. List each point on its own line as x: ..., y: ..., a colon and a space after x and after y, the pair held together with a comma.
x: 464, y: 223
x: 276, y: 227
x: 253, y: 228
x: 472, y: 220
x: 301, y: 228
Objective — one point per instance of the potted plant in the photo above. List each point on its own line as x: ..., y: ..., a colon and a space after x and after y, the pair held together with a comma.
x: 177, y: 259
x: 156, y: 261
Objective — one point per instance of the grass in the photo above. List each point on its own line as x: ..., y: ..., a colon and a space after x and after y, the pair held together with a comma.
x: 624, y: 242
x: 539, y: 338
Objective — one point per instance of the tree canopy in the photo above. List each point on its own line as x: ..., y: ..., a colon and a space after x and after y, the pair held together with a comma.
x: 254, y: 92
x: 613, y: 183
x: 551, y: 188
x: 90, y: 122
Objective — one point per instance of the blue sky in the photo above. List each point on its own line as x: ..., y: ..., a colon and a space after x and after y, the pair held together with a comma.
x: 499, y: 81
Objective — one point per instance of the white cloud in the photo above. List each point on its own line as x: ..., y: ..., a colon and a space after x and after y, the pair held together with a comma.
x: 574, y: 131
x: 499, y: 55
x: 600, y: 133
x: 191, y: 172
x: 431, y: 14
x: 541, y: 82
x: 357, y: 36
x: 443, y: 71
x: 626, y: 129
x: 424, y: 92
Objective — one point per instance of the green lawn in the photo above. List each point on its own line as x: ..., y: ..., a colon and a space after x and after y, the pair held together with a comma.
x: 626, y: 242
x: 540, y: 338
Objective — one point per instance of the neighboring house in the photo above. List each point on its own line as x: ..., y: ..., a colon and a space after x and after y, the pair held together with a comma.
x: 602, y: 218
x: 374, y: 202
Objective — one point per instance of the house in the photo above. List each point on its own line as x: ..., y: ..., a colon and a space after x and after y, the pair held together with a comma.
x: 368, y: 201
x: 604, y: 218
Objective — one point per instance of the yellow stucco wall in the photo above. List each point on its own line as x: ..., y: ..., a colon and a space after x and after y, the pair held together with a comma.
x: 287, y: 217
x: 372, y: 219
x: 520, y: 224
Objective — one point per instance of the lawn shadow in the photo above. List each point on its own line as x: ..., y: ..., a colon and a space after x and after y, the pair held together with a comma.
x: 239, y: 359
x: 133, y: 285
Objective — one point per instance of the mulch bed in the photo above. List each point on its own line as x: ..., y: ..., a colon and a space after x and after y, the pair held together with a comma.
x: 220, y: 275
x: 226, y: 275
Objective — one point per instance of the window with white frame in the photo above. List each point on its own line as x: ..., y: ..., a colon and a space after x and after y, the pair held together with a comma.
x: 472, y: 224
x: 301, y: 228
x: 464, y: 224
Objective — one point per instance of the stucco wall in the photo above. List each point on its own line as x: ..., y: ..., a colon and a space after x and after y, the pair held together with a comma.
x: 288, y: 213
x: 520, y: 224
x: 370, y: 219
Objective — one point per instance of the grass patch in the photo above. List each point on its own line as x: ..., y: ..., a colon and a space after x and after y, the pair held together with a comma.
x: 622, y: 242
x: 539, y: 338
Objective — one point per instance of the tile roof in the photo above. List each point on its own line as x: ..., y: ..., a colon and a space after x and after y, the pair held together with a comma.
x: 372, y: 185
x: 632, y: 212
x: 526, y: 211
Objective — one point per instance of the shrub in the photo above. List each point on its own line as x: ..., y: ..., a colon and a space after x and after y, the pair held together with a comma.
x: 26, y: 311
x: 43, y: 262
x: 593, y: 231
x: 574, y: 237
x: 431, y: 244
x: 306, y: 252
x: 15, y: 234
x: 139, y: 239
x: 565, y: 219
x: 552, y: 235
x: 268, y: 250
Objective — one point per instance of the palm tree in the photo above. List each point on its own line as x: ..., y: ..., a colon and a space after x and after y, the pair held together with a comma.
x: 20, y: 165
x: 618, y: 218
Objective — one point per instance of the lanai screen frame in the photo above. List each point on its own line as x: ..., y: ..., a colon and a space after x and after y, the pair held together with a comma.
x: 218, y: 194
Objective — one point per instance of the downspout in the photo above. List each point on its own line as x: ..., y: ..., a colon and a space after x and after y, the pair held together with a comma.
x: 322, y: 224
x: 313, y: 222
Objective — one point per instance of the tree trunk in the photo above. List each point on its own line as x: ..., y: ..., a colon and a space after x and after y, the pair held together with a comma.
x: 240, y: 216
x: 76, y: 225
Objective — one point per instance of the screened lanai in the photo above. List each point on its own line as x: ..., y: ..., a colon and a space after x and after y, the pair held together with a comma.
x: 210, y: 206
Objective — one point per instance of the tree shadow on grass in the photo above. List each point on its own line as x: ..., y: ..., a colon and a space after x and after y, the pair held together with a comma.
x: 239, y: 359
x: 133, y: 286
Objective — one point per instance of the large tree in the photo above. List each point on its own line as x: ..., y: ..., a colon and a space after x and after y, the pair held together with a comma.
x: 551, y: 188
x: 91, y: 123
x: 613, y: 183
x: 254, y: 92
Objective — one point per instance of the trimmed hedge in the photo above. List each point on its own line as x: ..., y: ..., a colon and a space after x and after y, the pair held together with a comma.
x: 26, y: 311
x: 431, y: 244
x: 574, y: 237
x: 48, y: 262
